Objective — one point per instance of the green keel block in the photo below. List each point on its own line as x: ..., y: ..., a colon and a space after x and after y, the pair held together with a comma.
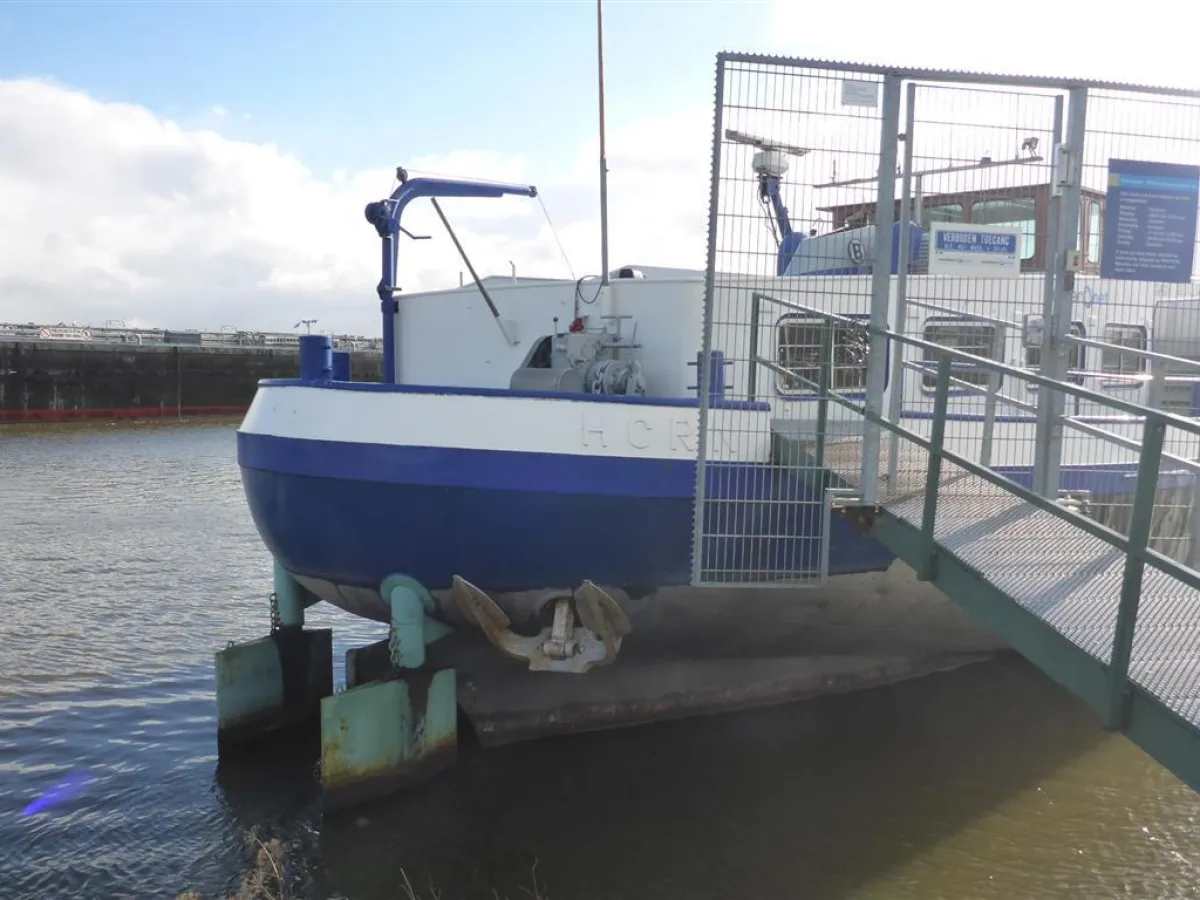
x: 272, y: 684
x: 387, y: 735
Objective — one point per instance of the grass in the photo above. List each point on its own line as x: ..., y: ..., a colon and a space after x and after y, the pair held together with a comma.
x: 265, y: 880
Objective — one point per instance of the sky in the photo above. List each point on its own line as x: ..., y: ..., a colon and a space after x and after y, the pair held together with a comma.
x: 206, y: 164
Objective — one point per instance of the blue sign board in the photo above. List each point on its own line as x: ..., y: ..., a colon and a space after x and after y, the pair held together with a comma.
x: 976, y: 251
x: 976, y: 242
x: 1150, y: 221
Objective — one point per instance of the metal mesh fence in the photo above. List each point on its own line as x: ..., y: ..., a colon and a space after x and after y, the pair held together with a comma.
x: 938, y: 265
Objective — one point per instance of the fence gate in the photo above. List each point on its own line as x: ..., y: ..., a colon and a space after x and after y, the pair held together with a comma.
x: 814, y: 168
x: 787, y: 139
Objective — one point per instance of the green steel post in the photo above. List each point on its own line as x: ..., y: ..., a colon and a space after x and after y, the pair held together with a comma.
x: 824, y: 380
x: 934, y: 477
x: 412, y: 626
x: 289, y: 597
x: 1131, y: 584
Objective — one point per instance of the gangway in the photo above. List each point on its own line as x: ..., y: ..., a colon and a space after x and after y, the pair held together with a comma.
x: 1108, y: 617
x: 972, y: 309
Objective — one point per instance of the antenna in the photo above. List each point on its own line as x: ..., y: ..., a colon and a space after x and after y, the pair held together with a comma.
x: 741, y: 137
x: 770, y: 164
x: 308, y: 323
x: 603, y: 155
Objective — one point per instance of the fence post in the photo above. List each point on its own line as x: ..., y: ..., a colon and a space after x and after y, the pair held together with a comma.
x: 881, y: 287
x: 896, y: 397
x: 933, y: 477
x: 1055, y: 347
x: 1144, y: 497
x: 703, y: 375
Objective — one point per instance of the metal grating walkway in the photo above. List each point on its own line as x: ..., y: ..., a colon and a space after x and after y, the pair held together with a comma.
x: 1067, y: 578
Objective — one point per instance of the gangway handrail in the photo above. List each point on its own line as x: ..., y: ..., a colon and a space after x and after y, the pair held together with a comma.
x: 1074, y: 338
x: 1148, y: 354
x: 1155, y: 422
x: 1073, y: 421
x: 1192, y: 426
x: 960, y: 314
x: 923, y: 367
x: 1136, y: 412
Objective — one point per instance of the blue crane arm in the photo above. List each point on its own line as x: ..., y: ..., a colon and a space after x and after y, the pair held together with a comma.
x: 385, y: 216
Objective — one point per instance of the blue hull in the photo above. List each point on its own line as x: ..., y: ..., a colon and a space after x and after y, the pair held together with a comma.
x: 352, y: 514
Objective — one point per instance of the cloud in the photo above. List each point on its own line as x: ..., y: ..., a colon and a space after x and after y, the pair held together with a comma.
x: 939, y: 34
x: 111, y: 211
x: 114, y: 212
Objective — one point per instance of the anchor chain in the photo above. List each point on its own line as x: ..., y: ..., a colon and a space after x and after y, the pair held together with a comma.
x: 394, y: 651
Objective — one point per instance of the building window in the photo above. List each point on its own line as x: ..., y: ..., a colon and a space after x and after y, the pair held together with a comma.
x: 1075, y: 355
x: 976, y: 338
x: 947, y: 212
x: 1114, y: 360
x: 1019, y: 212
x: 798, y: 350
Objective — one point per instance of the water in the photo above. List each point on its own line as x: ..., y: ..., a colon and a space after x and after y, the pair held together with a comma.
x: 128, y: 557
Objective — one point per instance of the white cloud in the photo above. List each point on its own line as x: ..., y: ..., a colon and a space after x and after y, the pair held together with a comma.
x: 1055, y: 38
x: 113, y: 212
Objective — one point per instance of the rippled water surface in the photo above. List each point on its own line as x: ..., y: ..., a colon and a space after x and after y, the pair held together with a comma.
x: 129, y: 557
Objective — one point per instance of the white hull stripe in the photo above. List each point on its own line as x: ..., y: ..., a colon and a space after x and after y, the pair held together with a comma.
x: 515, y: 424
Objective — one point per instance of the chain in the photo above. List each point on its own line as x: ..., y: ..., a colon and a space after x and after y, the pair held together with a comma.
x: 276, y: 621
x: 395, y: 652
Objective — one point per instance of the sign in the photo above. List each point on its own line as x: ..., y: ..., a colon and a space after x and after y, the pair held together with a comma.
x: 975, y: 251
x: 860, y: 93
x: 65, y: 334
x: 1149, y: 221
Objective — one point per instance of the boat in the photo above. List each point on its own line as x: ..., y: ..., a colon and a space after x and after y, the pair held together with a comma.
x: 555, y: 495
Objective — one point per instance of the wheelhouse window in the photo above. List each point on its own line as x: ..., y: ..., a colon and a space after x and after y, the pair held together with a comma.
x: 1019, y: 212
x: 798, y: 349
x: 1116, y: 361
x: 976, y: 338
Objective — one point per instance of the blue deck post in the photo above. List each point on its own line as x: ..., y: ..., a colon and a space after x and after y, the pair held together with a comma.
x: 316, y: 357
x: 341, y: 365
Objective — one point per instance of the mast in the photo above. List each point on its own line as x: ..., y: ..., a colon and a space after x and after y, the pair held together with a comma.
x: 603, y: 155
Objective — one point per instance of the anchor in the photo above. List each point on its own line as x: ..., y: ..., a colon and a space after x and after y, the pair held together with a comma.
x: 564, y: 646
